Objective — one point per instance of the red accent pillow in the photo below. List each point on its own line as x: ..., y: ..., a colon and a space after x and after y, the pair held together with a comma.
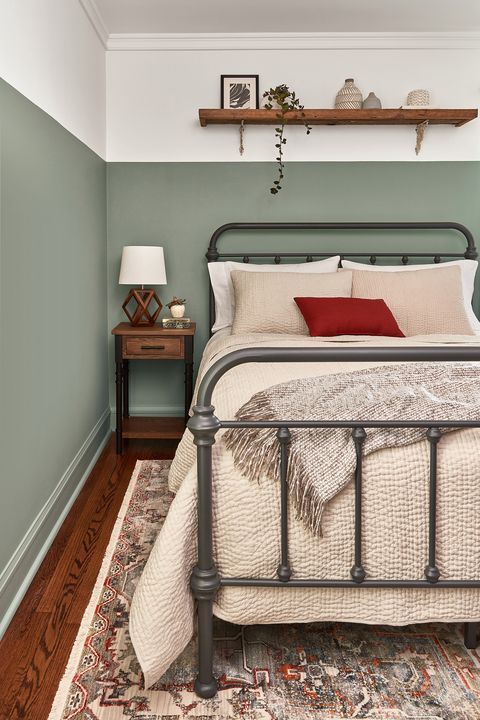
x: 328, y: 316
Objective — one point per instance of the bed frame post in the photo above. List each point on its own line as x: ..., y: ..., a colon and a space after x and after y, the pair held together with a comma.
x: 204, y: 580
x: 470, y: 635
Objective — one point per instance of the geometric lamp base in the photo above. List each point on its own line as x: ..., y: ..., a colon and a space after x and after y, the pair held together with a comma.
x: 140, y: 313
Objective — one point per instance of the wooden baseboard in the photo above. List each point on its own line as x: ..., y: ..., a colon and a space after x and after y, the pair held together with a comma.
x: 153, y: 411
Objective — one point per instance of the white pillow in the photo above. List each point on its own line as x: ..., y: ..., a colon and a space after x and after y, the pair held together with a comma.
x: 223, y: 289
x: 468, y: 270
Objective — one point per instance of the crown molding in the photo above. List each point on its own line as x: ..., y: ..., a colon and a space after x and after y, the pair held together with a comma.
x: 292, y: 41
x: 94, y: 15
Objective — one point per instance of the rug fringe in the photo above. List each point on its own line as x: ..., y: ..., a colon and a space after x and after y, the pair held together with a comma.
x: 58, y: 706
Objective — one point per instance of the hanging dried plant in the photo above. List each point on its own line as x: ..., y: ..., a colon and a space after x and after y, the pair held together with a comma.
x: 286, y: 100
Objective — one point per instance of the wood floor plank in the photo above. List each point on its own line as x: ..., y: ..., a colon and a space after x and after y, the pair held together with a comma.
x: 35, y: 649
x: 32, y: 687
x: 93, y: 526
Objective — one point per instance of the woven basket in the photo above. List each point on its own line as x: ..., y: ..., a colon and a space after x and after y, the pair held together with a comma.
x: 418, y: 97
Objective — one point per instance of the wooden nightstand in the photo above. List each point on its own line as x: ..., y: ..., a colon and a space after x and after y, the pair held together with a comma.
x: 150, y: 343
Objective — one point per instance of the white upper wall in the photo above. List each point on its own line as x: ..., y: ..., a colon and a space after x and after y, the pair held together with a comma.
x: 50, y: 52
x: 143, y: 106
x: 153, y: 98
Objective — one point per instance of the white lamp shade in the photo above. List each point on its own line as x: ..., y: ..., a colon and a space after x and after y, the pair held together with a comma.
x: 142, y: 265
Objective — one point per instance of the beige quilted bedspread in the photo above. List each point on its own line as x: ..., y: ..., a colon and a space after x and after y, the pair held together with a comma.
x: 246, y: 526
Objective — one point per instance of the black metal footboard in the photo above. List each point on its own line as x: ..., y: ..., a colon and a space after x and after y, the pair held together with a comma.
x: 205, y: 579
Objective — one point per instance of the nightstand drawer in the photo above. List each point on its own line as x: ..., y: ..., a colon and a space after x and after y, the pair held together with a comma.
x: 153, y: 347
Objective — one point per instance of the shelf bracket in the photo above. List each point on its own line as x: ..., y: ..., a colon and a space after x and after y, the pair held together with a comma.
x: 241, y: 149
x: 420, y: 131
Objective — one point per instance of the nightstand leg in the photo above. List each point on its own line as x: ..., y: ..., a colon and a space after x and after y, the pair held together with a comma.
x: 118, y: 387
x: 126, y: 406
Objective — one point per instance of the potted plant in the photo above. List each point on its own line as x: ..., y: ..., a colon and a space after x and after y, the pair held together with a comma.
x: 285, y: 100
x: 177, y: 307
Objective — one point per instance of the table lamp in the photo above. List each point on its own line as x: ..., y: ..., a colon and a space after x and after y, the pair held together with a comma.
x: 142, y: 265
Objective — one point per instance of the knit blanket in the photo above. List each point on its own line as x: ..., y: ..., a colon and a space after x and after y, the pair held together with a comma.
x: 322, y: 461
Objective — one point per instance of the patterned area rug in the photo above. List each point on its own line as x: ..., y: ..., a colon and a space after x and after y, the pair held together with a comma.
x: 288, y: 672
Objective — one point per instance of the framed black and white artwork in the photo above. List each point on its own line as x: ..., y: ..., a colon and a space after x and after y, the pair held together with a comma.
x: 239, y: 92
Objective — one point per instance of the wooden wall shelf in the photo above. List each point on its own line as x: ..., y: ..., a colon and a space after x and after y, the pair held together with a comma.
x: 389, y: 116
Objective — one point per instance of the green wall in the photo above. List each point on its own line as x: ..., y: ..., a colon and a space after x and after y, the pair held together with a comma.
x: 178, y: 205
x: 65, y: 216
x: 53, y: 320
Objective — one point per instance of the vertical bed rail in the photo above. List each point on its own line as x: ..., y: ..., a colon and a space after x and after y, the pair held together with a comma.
x: 284, y: 570
x: 357, y: 572
x: 432, y: 573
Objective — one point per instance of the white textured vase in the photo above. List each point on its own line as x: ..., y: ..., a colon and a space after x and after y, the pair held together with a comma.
x: 349, y: 97
x: 177, y: 311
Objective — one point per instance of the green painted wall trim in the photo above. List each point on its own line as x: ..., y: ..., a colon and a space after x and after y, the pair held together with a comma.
x: 53, y: 320
x: 178, y: 205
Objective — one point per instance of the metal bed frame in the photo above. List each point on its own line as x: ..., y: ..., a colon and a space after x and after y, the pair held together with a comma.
x: 205, y: 579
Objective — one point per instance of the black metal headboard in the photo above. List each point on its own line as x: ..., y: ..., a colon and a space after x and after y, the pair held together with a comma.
x: 213, y: 254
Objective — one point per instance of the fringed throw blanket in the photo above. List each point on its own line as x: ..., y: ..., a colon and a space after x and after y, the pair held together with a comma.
x: 322, y: 461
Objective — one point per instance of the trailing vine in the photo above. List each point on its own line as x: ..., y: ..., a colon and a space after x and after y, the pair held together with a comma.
x: 286, y: 100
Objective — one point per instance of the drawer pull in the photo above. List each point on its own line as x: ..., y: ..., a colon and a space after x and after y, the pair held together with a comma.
x: 153, y: 347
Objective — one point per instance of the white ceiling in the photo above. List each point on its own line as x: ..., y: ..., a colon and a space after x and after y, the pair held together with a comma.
x: 263, y: 16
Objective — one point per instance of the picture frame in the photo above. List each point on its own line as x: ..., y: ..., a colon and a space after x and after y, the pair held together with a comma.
x: 239, y: 92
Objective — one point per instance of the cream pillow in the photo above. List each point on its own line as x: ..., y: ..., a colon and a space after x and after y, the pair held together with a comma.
x: 264, y: 301
x: 220, y: 279
x: 467, y: 267
x: 423, y: 302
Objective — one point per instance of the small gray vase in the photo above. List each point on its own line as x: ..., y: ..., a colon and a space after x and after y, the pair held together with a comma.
x: 371, y: 102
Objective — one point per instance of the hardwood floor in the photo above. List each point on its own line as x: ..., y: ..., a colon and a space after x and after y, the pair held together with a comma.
x: 35, y: 649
